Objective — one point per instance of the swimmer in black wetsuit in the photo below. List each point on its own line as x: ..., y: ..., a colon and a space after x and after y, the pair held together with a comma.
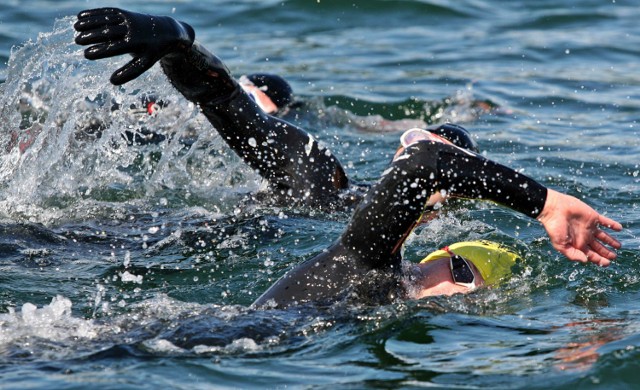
x: 300, y: 170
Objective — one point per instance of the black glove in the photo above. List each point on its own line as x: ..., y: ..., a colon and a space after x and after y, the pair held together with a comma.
x: 148, y: 38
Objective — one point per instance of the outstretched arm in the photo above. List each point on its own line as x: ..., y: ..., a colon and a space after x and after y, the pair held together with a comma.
x: 289, y: 158
x: 392, y: 208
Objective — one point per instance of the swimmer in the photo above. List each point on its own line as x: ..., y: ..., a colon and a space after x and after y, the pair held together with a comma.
x: 427, y: 169
x: 368, y: 251
x: 272, y: 93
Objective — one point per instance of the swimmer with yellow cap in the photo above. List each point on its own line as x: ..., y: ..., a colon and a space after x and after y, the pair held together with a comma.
x: 464, y: 266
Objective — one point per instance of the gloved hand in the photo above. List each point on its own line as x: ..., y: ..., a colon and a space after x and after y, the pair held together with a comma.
x: 148, y: 38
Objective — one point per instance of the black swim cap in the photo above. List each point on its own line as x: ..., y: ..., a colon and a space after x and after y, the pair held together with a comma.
x: 274, y: 86
x: 458, y: 135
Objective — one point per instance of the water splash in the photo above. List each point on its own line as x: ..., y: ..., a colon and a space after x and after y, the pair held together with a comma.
x: 72, y: 142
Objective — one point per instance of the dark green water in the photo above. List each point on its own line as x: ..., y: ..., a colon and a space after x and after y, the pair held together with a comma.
x: 133, y: 267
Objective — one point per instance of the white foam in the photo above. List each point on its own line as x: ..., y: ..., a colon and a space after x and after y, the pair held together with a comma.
x: 52, y: 322
x: 128, y: 277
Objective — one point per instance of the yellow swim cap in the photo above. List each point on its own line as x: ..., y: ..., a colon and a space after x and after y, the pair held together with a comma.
x: 493, y: 260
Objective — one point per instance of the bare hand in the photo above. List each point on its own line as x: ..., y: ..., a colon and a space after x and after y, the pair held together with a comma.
x: 575, y: 229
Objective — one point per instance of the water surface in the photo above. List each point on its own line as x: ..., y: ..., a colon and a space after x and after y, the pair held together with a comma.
x: 127, y: 266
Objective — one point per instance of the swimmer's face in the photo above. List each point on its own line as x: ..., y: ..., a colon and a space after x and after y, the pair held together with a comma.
x: 436, y: 279
x: 264, y: 102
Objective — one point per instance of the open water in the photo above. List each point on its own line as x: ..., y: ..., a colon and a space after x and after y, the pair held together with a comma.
x: 128, y: 266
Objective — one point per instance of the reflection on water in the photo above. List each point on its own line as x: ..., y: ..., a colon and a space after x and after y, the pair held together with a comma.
x: 582, y: 353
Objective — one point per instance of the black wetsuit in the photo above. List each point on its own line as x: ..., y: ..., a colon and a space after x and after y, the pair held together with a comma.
x: 299, y: 170
x: 286, y: 156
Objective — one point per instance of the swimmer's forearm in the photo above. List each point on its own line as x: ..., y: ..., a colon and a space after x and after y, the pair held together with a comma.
x: 284, y: 154
x: 470, y: 175
x: 200, y: 75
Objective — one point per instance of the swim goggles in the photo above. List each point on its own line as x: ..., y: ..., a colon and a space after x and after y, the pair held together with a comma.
x: 257, y: 95
x: 416, y: 134
x: 461, y: 271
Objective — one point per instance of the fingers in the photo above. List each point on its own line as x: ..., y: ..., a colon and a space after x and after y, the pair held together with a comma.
x: 573, y: 254
x: 599, y: 254
x: 131, y: 70
x: 609, y: 223
x: 598, y: 260
x: 104, y: 34
x: 607, y: 239
x: 111, y: 32
x: 107, y: 11
x: 96, y: 22
x: 602, y: 250
x: 588, y: 255
x: 104, y: 27
x: 593, y: 252
x: 108, y: 49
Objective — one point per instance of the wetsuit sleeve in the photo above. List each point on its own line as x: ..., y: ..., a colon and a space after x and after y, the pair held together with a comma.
x: 392, y: 207
x: 284, y: 154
